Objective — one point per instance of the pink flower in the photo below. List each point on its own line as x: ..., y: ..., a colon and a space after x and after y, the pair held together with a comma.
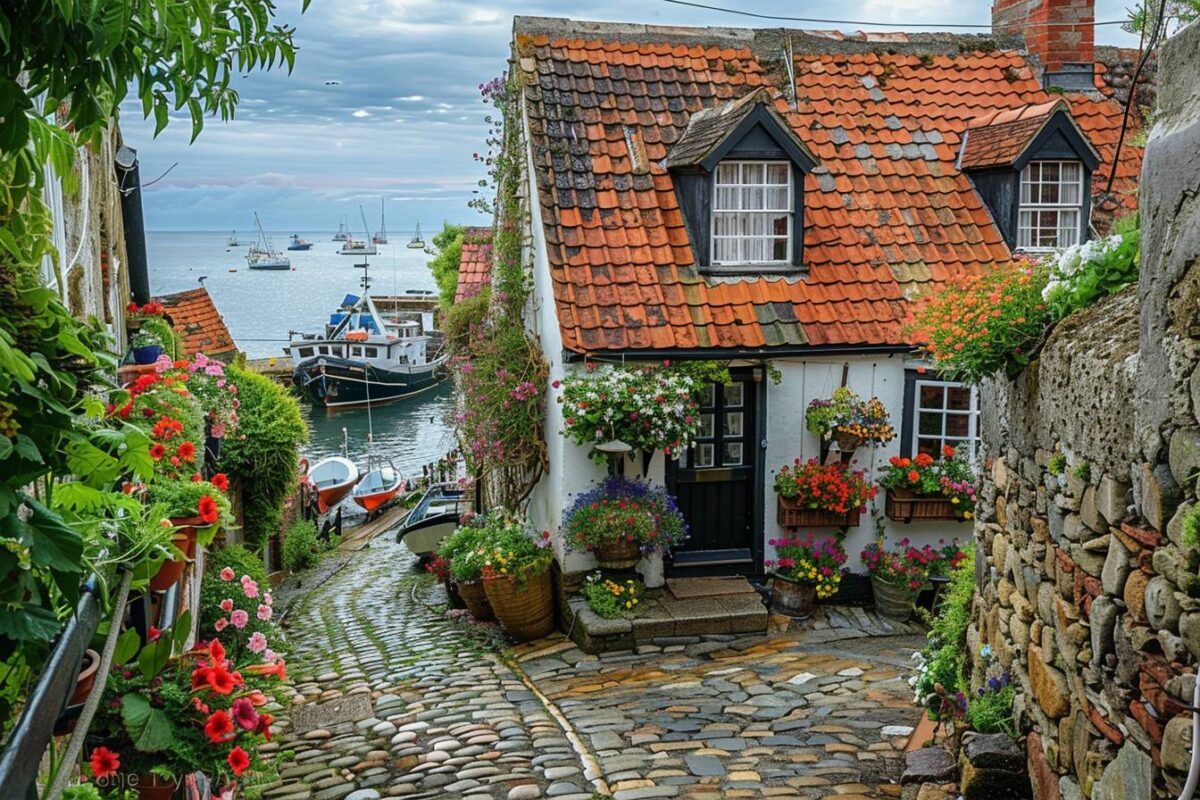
x: 227, y: 605
x: 267, y: 598
x: 227, y: 574
x: 268, y: 656
x: 239, y: 619
x: 249, y: 586
x: 243, y: 713
x: 257, y: 643
x: 220, y: 624
x: 264, y: 612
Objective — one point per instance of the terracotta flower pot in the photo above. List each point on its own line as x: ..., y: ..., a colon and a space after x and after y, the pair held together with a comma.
x: 152, y: 787
x: 171, y: 571
x: 792, y: 597
x: 617, y: 554
x: 525, y: 609
x: 86, y: 678
x: 893, y: 602
x: 473, y: 594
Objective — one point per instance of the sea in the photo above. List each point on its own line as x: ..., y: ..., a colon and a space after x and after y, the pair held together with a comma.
x: 260, y: 307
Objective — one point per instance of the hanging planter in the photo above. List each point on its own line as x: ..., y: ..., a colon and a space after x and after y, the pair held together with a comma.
x: 523, y: 604
x: 172, y: 570
x: 925, y: 488
x: 475, y: 598
x: 812, y: 494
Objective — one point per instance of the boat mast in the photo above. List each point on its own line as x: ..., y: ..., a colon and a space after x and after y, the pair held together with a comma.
x: 382, y: 219
x: 262, y: 235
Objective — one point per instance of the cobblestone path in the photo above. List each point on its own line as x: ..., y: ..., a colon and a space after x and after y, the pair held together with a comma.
x: 389, y: 698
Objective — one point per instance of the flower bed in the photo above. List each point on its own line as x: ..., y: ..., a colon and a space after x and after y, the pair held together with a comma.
x: 924, y: 488
x: 812, y: 494
x: 611, y: 599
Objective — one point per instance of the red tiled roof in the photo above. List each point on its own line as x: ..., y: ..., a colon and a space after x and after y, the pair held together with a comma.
x: 886, y: 212
x: 198, y: 325
x: 998, y: 138
x: 475, y: 265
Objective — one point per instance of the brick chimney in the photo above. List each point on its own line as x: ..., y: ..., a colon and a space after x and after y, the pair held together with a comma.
x: 1061, y: 33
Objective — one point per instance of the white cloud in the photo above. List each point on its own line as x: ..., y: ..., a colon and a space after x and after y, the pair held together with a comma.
x: 362, y: 112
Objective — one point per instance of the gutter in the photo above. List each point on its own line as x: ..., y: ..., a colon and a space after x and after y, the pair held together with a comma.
x: 729, y: 353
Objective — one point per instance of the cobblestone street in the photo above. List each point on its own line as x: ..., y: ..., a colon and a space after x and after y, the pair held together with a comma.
x: 391, y: 698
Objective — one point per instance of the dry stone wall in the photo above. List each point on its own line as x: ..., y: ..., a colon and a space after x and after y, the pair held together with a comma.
x: 1088, y: 590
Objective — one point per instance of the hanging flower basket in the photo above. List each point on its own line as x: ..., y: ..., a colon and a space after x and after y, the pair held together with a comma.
x: 891, y: 601
x: 793, y: 515
x: 619, y: 554
x: 523, y: 605
x: 473, y: 594
x: 792, y: 597
x: 847, y: 442
x: 905, y: 506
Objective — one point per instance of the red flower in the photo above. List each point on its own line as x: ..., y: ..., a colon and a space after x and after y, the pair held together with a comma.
x: 221, y: 481
x: 154, y: 633
x: 132, y: 308
x: 948, y: 451
x: 221, y: 680
x: 187, y: 451
x: 264, y: 725
x: 239, y: 761
x: 157, y: 451
x: 244, y: 713
x: 218, y: 727
x: 277, y: 669
x: 196, y: 477
x: 216, y: 651
x: 105, y: 763
x: 207, y: 507
x: 914, y: 476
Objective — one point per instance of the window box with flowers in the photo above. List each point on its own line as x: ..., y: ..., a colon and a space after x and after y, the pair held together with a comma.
x: 804, y: 571
x: 850, y: 421
x: 621, y: 520
x: 812, y: 494
x: 924, y: 488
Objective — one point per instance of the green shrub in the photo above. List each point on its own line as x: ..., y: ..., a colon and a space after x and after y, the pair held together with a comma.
x: 157, y: 326
x: 1084, y: 472
x: 992, y: 711
x: 300, y: 546
x: 610, y: 599
x: 214, y: 589
x: 262, y: 453
x: 945, y: 657
x: 444, y: 266
x: 1057, y: 464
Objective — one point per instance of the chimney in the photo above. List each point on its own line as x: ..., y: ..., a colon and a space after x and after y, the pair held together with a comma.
x: 1061, y: 33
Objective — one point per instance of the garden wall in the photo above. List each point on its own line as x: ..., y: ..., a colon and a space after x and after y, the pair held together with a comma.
x: 1088, y: 591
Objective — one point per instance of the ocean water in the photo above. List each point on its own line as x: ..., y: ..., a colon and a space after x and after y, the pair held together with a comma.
x: 261, y: 306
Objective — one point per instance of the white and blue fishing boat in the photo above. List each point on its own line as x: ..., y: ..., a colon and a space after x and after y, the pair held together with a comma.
x: 434, y: 518
x: 296, y: 243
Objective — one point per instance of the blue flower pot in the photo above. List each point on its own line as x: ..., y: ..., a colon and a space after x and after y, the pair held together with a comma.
x: 148, y: 354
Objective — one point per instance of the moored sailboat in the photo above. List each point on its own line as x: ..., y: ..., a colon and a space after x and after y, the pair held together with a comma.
x: 343, y: 233
x: 262, y: 255
x: 416, y: 242
x: 381, y: 236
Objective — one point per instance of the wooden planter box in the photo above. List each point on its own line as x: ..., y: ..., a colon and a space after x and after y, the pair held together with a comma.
x: 904, y: 506
x: 792, y: 515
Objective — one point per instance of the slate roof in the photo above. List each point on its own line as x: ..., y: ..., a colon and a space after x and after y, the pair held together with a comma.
x: 475, y: 266
x: 886, y: 211
x: 198, y: 325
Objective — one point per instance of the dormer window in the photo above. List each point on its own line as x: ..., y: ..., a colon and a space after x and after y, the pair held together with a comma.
x: 1051, y: 205
x: 752, y: 213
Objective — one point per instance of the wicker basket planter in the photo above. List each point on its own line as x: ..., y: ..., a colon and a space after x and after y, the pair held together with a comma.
x: 473, y: 594
x: 792, y: 515
x: 619, y: 554
x: 893, y: 602
x: 904, y: 506
x: 792, y: 597
x: 847, y: 442
x: 525, y: 608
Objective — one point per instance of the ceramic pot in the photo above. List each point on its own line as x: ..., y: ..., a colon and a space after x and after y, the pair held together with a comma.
x: 86, y: 678
x: 893, y: 602
x: 792, y: 597
x: 148, y: 354
x: 618, y: 554
x: 171, y: 571
x: 525, y: 608
x: 473, y: 594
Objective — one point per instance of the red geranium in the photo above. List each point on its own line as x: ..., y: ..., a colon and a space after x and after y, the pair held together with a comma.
x: 187, y: 451
x: 207, y: 507
x: 239, y: 761
x: 157, y: 451
x: 105, y: 763
x: 221, y: 481
x: 218, y: 727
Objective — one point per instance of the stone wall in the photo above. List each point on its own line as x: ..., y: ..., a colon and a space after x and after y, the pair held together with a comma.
x: 1088, y: 592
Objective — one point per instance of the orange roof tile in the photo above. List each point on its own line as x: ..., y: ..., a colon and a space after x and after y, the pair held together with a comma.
x: 886, y: 213
x: 475, y: 265
x: 198, y: 325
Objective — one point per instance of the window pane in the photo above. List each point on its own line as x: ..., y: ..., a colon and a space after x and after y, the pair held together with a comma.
x: 731, y: 454
x: 778, y: 199
x: 930, y: 446
x: 732, y: 424
x: 704, y: 456
x: 706, y: 427
x: 958, y: 424
x: 778, y: 173
x: 753, y: 198
x: 929, y: 424
x: 727, y: 173
x: 780, y: 251
x: 932, y: 397
x: 726, y: 199
x: 707, y: 396
x: 753, y: 172
x: 958, y: 398
x: 734, y: 393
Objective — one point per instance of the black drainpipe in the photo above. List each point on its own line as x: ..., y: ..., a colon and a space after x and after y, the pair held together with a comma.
x: 129, y: 181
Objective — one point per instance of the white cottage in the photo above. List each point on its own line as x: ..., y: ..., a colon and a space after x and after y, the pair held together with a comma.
x: 769, y: 197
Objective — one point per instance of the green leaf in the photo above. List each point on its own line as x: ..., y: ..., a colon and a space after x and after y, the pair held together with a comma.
x: 127, y: 647
x: 154, y: 657
x: 149, y: 728
x: 30, y: 623
x: 180, y: 630
x: 6, y: 447
x: 27, y: 449
x: 51, y: 542
x: 91, y: 464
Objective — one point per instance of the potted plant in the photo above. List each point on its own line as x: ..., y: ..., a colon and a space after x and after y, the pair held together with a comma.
x: 146, y: 346
x: 850, y: 421
x: 895, y: 577
x: 516, y: 577
x: 621, y: 519
x: 812, y: 494
x: 439, y: 567
x: 924, y: 488
x: 611, y: 599
x: 464, y: 549
x: 804, y: 571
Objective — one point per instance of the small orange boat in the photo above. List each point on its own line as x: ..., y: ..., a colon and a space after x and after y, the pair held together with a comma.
x: 332, y: 478
x: 378, y: 487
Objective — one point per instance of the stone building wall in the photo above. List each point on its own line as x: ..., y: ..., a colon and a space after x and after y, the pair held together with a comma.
x: 1088, y: 592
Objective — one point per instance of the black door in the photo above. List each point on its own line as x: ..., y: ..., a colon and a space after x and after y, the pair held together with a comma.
x: 717, y: 483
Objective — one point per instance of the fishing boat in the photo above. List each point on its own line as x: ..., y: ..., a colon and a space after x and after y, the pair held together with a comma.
x: 353, y: 247
x: 381, y: 236
x: 262, y: 255
x: 296, y: 243
x: 332, y: 478
x: 378, y: 487
x: 343, y: 233
x: 233, y: 240
x: 365, y: 357
x: 416, y: 242
x: 434, y: 518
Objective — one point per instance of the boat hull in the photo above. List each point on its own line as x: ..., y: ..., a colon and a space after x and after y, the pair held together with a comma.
x: 359, y: 251
x: 337, y: 382
x: 372, y: 502
x: 300, y: 246
x: 274, y: 265
x: 424, y: 539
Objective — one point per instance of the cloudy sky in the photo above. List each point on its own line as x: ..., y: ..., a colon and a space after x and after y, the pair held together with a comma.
x: 404, y: 116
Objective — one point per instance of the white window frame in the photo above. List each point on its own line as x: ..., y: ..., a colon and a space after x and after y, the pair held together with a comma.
x: 790, y: 210
x: 972, y: 415
x: 1027, y: 206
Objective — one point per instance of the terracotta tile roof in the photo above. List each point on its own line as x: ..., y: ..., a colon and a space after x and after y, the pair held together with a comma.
x: 886, y: 212
x: 475, y: 265
x: 998, y: 138
x: 198, y: 325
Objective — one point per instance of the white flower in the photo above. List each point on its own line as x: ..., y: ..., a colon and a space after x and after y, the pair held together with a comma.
x: 24, y: 513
